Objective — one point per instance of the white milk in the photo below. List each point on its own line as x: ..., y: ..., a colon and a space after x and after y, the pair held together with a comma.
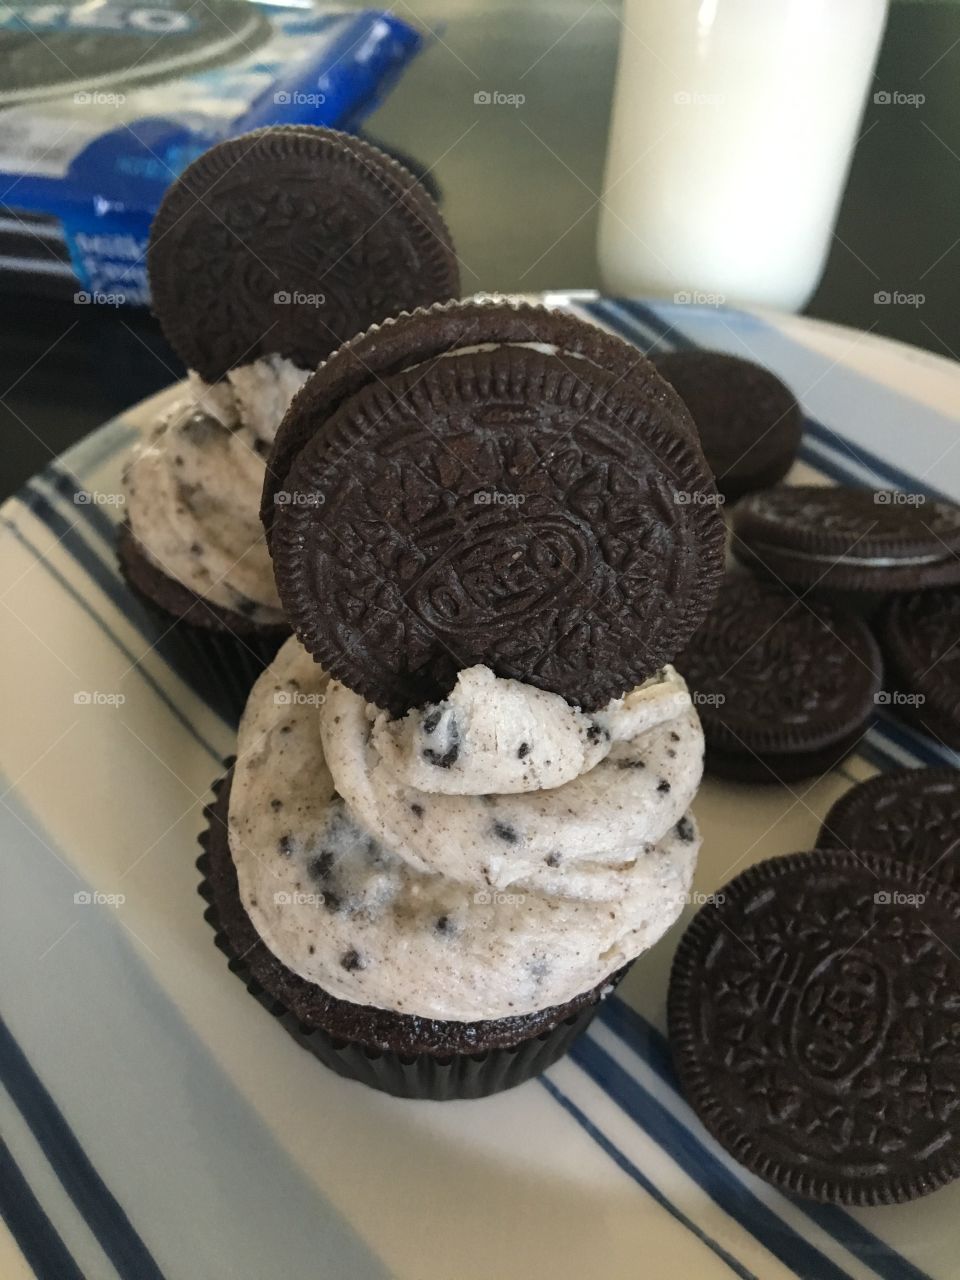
x: 733, y: 125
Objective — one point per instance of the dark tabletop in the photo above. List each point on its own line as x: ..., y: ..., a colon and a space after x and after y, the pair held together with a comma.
x: 521, y: 194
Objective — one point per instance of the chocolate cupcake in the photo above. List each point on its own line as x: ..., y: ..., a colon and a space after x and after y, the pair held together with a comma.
x: 438, y: 851
x: 267, y: 253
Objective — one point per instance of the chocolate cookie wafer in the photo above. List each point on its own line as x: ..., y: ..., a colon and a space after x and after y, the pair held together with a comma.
x: 288, y: 241
x: 784, y: 690
x: 912, y: 814
x: 498, y: 485
x: 850, y: 539
x: 812, y: 1015
x: 749, y: 421
x: 919, y: 635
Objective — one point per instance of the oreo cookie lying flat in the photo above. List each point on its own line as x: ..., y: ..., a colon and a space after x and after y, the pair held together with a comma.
x: 919, y: 635
x: 912, y: 814
x: 289, y: 241
x: 851, y: 539
x: 813, y: 1020
x: 496, y: 484
x: 783, y: 690
x: 749, y: 421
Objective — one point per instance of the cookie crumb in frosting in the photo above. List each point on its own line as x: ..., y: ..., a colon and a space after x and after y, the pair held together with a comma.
x: 503, y: 831
x: 685, y: 830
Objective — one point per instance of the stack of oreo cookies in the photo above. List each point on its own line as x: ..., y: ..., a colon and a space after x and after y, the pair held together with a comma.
x: 787, y: 673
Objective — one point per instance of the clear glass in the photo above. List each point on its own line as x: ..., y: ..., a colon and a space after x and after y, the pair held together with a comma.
x: 733, y: 126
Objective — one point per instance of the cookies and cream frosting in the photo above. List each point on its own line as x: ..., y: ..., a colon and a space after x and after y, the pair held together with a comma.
x: 495, y: 854
x: 194, y: 485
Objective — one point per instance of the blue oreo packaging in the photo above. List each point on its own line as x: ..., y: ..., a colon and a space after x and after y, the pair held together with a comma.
x: 104, y: 103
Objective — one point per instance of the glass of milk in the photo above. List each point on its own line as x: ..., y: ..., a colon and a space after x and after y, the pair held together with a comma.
x: 733, y: 126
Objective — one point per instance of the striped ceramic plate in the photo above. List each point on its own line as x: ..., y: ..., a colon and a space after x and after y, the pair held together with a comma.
x: 156, y: 1123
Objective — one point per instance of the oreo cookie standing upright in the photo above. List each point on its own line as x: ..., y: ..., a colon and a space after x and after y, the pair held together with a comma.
x: 749, y: 421
x: 289, y: 241
x: 784, y: 690
x: 491, y: 484
x: 265, y: 254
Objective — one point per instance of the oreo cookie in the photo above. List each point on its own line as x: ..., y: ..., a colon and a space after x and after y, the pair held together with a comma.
x: 912, y: 814
x: 496, y: 484
x: 784, y: 691
x: 749, y: 421
x: 849, y: 539
x: 918, y: 634
x: 288, y: 241
x: 813, y: 1018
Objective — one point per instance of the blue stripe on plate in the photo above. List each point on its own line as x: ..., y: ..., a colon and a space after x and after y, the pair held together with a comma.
x: 885, y: 471
x: 66, y: 483
x: 41, y: 512
x: 654, y: 1048
x: 628, y: 1167
x: 709, y: 1171
x: 35, y: 1234
x: 102, y: 1212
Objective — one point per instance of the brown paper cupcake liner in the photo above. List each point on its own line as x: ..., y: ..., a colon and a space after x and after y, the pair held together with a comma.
x: 437, y: 1076
x: 219, y: 664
